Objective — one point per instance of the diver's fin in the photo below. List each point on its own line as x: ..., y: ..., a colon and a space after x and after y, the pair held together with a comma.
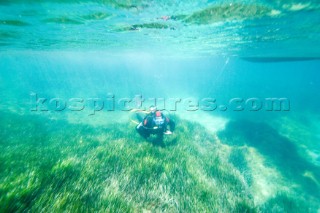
x: 139, y: 117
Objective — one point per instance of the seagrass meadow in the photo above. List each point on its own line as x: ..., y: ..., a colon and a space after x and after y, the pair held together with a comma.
x: 240, y: 79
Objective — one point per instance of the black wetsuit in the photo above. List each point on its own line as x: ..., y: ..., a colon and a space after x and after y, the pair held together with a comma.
x: 154, y: 123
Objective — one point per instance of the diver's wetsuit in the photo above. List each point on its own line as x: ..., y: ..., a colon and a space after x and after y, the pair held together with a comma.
x: 154, y: 123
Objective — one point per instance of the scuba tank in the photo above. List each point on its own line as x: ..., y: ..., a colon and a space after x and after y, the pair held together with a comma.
x: 158, y: 119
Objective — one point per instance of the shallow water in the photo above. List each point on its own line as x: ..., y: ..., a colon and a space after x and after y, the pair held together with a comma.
x: 240, y: 80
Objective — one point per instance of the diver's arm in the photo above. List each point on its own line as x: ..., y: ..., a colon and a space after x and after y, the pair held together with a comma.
x: 171, y: 124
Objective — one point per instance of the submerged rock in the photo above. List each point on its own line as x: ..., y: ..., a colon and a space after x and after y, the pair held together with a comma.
x: 151, y: 26
x: 154, y: 25
x: 227, y: 13
x: 13, y: 23
x: 62, y: 20
x: 96, y: 16
x: 6, y: 35
x: 126, y: 4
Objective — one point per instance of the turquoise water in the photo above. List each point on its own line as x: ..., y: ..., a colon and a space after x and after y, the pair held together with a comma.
x: 240, y: 79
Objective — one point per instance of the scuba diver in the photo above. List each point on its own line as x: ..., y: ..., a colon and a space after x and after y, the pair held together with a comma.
x: 155, y: 122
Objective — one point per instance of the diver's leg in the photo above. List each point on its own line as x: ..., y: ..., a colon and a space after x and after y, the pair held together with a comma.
x: 172, y: 125
x: 159, y: 140
x: 165, y: 127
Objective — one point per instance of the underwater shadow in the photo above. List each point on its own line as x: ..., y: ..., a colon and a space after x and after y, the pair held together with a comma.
x: 277, y: 149
x: 285, y: 203
x: 158, y: 142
